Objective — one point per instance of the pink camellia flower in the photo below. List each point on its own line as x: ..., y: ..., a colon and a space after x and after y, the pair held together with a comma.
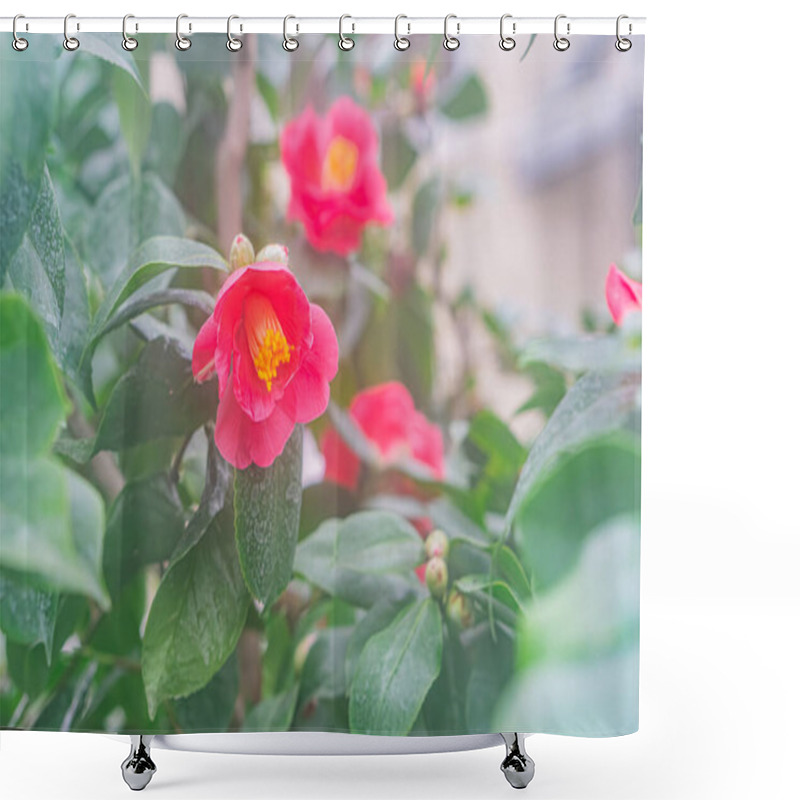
x: 622, y: 294
x: 275, y: 355
x: 337, y: 187
x: 387, y: 417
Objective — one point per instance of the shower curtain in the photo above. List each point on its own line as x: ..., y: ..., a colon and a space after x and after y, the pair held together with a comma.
x: 320, y: 385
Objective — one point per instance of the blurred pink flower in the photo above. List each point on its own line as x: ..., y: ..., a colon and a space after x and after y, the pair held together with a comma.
x: 274, y: 354
x: 622, y: 294
x: 337, y: 187
x: 387, y: 417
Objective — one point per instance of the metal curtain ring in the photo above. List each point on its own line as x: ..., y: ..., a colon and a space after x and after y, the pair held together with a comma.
x: 345, y: 42
x: 181, y: 42
x: 70, y: 42
x: 128, y: 42
x: 622, y: 44
x: 561, y: 43
x: 451, y: 42
x: 401, y: 42
x: 233, y: 44
x: 290, y: 44
x: 18, y: 43
x: 507, y: 42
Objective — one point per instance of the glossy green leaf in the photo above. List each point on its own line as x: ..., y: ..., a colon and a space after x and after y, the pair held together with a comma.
x: 468, y: 100
x: 395, y: 671
x: 210, y: 710
x: 196, y: 617
x: 37, y: 270
x: 361, y: 559
x: 27, y: 612
x: 614, y: 352
x: 32, y: 401
x: 584, y: 489
x: 596, y: 404
x: 135, y: 210
x: 267, y: 504
x: 27, y: 97
x: 152, y: 259
x: 273, y: 713
x: 219, y: 478
x: 379, y: 617
x: 135, y: 116
x: 106, y: 46
x: 323, y: 676
x: 157, y: 397
x: 144, y: 524
x: 52, y: 525
x: 578, y: 646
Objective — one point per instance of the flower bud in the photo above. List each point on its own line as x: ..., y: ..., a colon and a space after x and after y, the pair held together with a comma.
x: 302, y: 651
x: 437, y: 544
x: 242, y: 252
x: 436, y: 576
x: 459, y: 610
x: 276, y: 253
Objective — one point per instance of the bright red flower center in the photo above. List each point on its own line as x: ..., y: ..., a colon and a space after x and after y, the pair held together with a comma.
x: 339, y: 166
x: 265, y: 337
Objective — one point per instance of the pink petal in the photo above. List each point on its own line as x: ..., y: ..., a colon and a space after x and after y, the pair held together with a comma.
x: 242, y: 442
x: 341, y: 463
x: 622, y: 294
x: 203, y: 351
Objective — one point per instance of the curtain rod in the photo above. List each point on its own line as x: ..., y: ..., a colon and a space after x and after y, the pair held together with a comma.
x: 407, y: 26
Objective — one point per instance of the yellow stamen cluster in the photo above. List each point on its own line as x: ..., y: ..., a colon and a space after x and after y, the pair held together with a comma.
x: 265, y: 338
x: 339, y: 166
x: 273, y: 351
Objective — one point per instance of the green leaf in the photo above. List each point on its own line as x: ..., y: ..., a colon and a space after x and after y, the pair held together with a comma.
x: 210, y: 710
x: 135, y: 116
x: 488, y: 588
x: 196, y: 618
x: 585, y: 488
x: 144, y: 524
x: 578, y: 647
x: 413, y: 319
x: 492, y: 664
x: 135, y: 210
x: 395, y: 671
x: 323, y: 674
x: 106, y: 46
x: 32, y: 401
x: 191, y: 298
x: 607, y: 352
x: 152, y: 259
x: 596, y: 404
x: 398, y: 156
x: 273, y: 714
x: 551, y: 386
x: 52, y: 525
x: 267, y: 503
x: 366, y: 557
x: 379, y: 617
x: 219, y: 476
x: 595, y: 609
x: 423, y: 214
x: 38, y: 267
x: 157, y: 397
x: 27, y: 612
x: 27, y: 98
x: 468, y: 100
